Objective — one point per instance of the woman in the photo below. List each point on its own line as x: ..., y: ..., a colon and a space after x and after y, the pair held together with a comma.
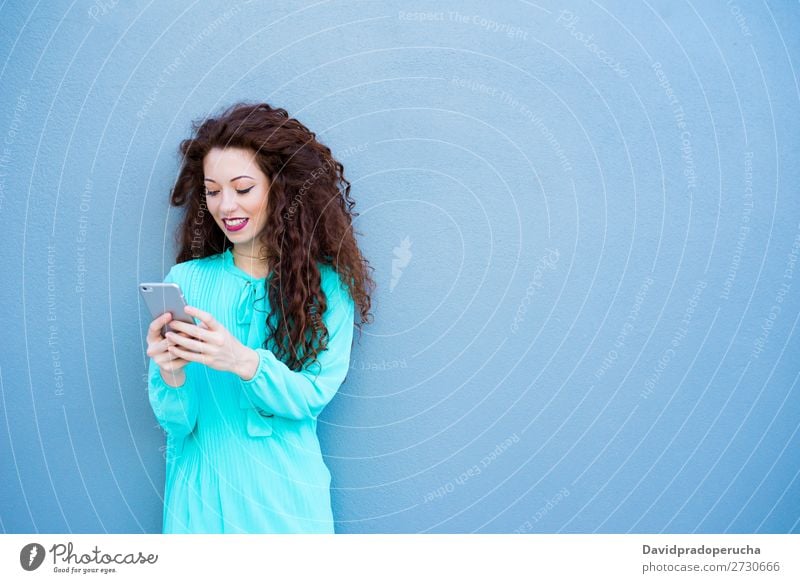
x: 273, y: 276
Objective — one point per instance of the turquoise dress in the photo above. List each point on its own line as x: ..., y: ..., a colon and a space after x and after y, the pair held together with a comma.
x: 243, y: 456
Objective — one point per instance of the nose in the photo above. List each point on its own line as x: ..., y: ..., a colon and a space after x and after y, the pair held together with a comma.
x: 228, y: 203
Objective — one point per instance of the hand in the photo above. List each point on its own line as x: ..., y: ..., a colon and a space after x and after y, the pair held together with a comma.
x: 158, y: 349
x: 209, y: 343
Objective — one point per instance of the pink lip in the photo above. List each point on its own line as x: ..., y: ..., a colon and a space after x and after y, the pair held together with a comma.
x: 237, y: 227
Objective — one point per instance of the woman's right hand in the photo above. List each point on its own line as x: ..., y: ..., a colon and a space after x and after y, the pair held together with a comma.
x: 158, y: 349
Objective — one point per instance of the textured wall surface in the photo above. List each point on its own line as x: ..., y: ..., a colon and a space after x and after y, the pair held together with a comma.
x: 583, y: 219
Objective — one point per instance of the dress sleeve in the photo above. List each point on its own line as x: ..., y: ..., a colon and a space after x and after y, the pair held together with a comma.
x: 174, y: 407
x: 304, y: 394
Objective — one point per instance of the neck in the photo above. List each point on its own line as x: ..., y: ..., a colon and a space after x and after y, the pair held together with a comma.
x: 255, y: 266
x: 249, y: 252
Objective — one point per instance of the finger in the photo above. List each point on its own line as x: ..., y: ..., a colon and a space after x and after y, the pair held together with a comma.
x: 185, y: 354
x: 158, y: 347
x: 204, y: 317
x: 168, y: 358
x: 159, y: 321
x: 167, y: 361
x: 191, y: 330
x: 173, y: 365
x: 177, y: 361
x: 163, y: 345
x: 154, y: 330
x: 188, y: 343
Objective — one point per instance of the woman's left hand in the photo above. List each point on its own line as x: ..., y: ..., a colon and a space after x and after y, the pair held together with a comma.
x: 209, y: 343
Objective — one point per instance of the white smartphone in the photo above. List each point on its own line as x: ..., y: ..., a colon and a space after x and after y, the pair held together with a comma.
x: 165, y: 297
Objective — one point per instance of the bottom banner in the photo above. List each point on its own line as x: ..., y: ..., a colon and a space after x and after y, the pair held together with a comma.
x: 401, y: 557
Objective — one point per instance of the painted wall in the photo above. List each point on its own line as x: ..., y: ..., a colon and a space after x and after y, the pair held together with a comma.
x: 583, y: 219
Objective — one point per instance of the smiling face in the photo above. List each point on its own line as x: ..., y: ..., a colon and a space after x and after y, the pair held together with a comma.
x: 236, y: 196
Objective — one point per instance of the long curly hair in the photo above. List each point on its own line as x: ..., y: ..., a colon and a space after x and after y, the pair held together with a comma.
x: 309, y: 220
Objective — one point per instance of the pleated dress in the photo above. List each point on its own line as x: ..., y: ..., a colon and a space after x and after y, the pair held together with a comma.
x: 243, y: 456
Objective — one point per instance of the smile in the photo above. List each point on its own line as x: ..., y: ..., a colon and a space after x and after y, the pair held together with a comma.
x: 235, y: 224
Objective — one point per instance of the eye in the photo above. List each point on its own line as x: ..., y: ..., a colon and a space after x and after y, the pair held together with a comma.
x: 212, y: 192
x: 245, y: 191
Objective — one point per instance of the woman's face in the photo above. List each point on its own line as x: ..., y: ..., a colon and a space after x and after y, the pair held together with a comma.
x: 236, y: 189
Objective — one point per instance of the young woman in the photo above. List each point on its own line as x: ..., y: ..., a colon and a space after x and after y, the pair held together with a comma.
x: 273, y: 276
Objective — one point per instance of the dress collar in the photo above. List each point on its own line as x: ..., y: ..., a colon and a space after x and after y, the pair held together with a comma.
x: 251, y: 305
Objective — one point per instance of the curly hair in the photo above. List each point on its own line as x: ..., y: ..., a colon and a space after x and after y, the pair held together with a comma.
x: 309, y: 220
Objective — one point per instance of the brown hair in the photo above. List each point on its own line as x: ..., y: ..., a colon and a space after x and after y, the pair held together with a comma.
x: 309, y: 220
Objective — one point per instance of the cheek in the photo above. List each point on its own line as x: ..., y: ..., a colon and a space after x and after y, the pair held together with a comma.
x: 259, y: 209
x: 212, y: 206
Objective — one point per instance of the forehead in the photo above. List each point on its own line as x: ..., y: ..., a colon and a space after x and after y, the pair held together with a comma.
x: 229, y: 162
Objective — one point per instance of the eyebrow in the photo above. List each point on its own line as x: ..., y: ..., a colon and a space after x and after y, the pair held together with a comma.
x: 232, y: 179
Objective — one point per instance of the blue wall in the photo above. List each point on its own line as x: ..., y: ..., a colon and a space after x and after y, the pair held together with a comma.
x: 584, y: 223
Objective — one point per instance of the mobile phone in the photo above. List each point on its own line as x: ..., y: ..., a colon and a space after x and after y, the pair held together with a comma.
x: 165, y: 297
